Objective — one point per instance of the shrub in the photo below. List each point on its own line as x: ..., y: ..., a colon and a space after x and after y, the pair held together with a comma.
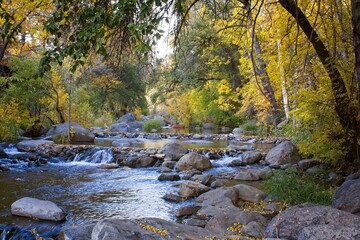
x: 151, y: 125
x: 250, y: 128
x: 296, y: 189
x: 61, y: 139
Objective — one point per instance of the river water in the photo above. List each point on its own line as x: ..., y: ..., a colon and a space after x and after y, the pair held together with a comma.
x: 88, y: 193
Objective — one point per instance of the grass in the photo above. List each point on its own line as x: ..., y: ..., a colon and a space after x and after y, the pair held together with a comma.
x: 250, y: 128
x: 151, y: 125
x: 297, y: 189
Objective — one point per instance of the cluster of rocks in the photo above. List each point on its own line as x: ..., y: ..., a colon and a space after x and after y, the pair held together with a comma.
x: 218, y: 211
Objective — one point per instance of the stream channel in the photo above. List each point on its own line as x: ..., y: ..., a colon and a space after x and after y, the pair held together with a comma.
x: 88, y: 193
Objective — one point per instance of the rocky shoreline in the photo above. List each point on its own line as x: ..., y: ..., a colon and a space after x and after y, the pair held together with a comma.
x: 239, y: 211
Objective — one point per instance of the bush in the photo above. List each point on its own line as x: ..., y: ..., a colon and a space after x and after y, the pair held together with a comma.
x: 151, y: 125
x: 250, y: 128
x: 297, y: 189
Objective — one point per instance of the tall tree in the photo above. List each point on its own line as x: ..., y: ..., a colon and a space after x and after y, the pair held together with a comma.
x: 355, y: 6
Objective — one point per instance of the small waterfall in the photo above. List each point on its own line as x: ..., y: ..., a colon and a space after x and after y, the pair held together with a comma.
x: 96, y: 155
x: 224, y: 161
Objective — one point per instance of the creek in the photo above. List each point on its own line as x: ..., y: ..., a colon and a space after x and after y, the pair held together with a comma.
x: 88, y: 193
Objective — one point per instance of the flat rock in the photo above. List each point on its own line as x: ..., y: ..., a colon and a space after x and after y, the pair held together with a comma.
x: 253, y: 174
x: 31, y: 145
x: 35, y: 208
x: 329, y: 231
x: 168, y: 177
x: 146, y: 228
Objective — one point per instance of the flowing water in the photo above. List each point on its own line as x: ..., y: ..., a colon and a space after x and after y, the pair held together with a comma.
x: 88, y: 193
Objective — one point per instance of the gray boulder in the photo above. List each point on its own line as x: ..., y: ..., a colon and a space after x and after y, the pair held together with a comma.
x: 329, y: 231
x: 251, y: 157
x: 289, y: 223
x: 78, y: 132
x: 190, y: 189
x: 125, y: 142
x: 127, y: 118
x: 35, y: 208
x: 173, y: 151
x: 347, y: 196
x: 120, y: 127
x: 140, y: 162
x: 31, y: 145
x: 136, y: 125
x: 193, y: 161
x: 146, y: 228
x: 77, y: 233
x: 253, y: 174
x: 284, y: 153
x: 208, y: 126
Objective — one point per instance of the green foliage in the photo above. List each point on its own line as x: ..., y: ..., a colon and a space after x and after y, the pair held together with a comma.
x: 250, y: 128
x: 61, y: 139
x: 151, y: 125
x: 296, y: 189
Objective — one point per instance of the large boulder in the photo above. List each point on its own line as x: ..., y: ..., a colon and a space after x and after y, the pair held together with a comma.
x: 251, y: 157
x: 173, y: 151
x: 190, y: 189
x: 193, y: 161
x: 290, y: 223
x: 136, y: 126
x: 31, y: 145
x: 347, y: 196
x: 119, y: 127
x: 78, y: 133
x: 284, y: 153
x: 329, y: 231
x: 35, y: 208
x: 146, y: 228
x: 127, y: 118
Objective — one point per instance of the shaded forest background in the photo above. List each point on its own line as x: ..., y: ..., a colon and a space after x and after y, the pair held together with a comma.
x: 282, y: 68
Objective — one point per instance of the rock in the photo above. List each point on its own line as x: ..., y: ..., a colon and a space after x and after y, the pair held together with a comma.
x: 289, y: 223
x: 3, y: 154
x: 146, y: 228
x: 253, y: 174
x: 4, y: 168
x: 168, y: 177
x: 31, y: 145
x: 171, y: 197
x: 205, y: 179
x: 329, y: 231
x: 193, y: 161
x: 247, y: 147
x: 195, y: 222
x: 127, y: 118
x: 253, y: 229
x: 173, y: 151
x: 139, y: 162
x: 237, y: 162
x: 249, y: 193
x: 251, y: 157
x: 186, y: 211
x: 136, y: 125
x: 35, y: 208
x: 119, y: 127
x: 79, y: 133
x: 109, y: 166
x: 190, y: 189
x: 284, y: 153
x: 238, y: 131
x: 305, y: 164
x: 77, y: 233
x: 217, y: 183
x: 347, y: 195
x: 169, y: 164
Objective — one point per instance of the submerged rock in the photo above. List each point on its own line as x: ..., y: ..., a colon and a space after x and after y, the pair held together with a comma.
x: 35, y: 208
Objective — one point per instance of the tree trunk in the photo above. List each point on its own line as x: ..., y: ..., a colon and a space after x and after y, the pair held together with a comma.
x: 355, y: 5
x: 260, y: 70
x: 345, y: 110
x: 284, y: 91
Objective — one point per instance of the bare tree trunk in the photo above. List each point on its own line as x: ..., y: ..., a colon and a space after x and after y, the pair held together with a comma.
x: 284, y: 91
x: 344, y: 108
